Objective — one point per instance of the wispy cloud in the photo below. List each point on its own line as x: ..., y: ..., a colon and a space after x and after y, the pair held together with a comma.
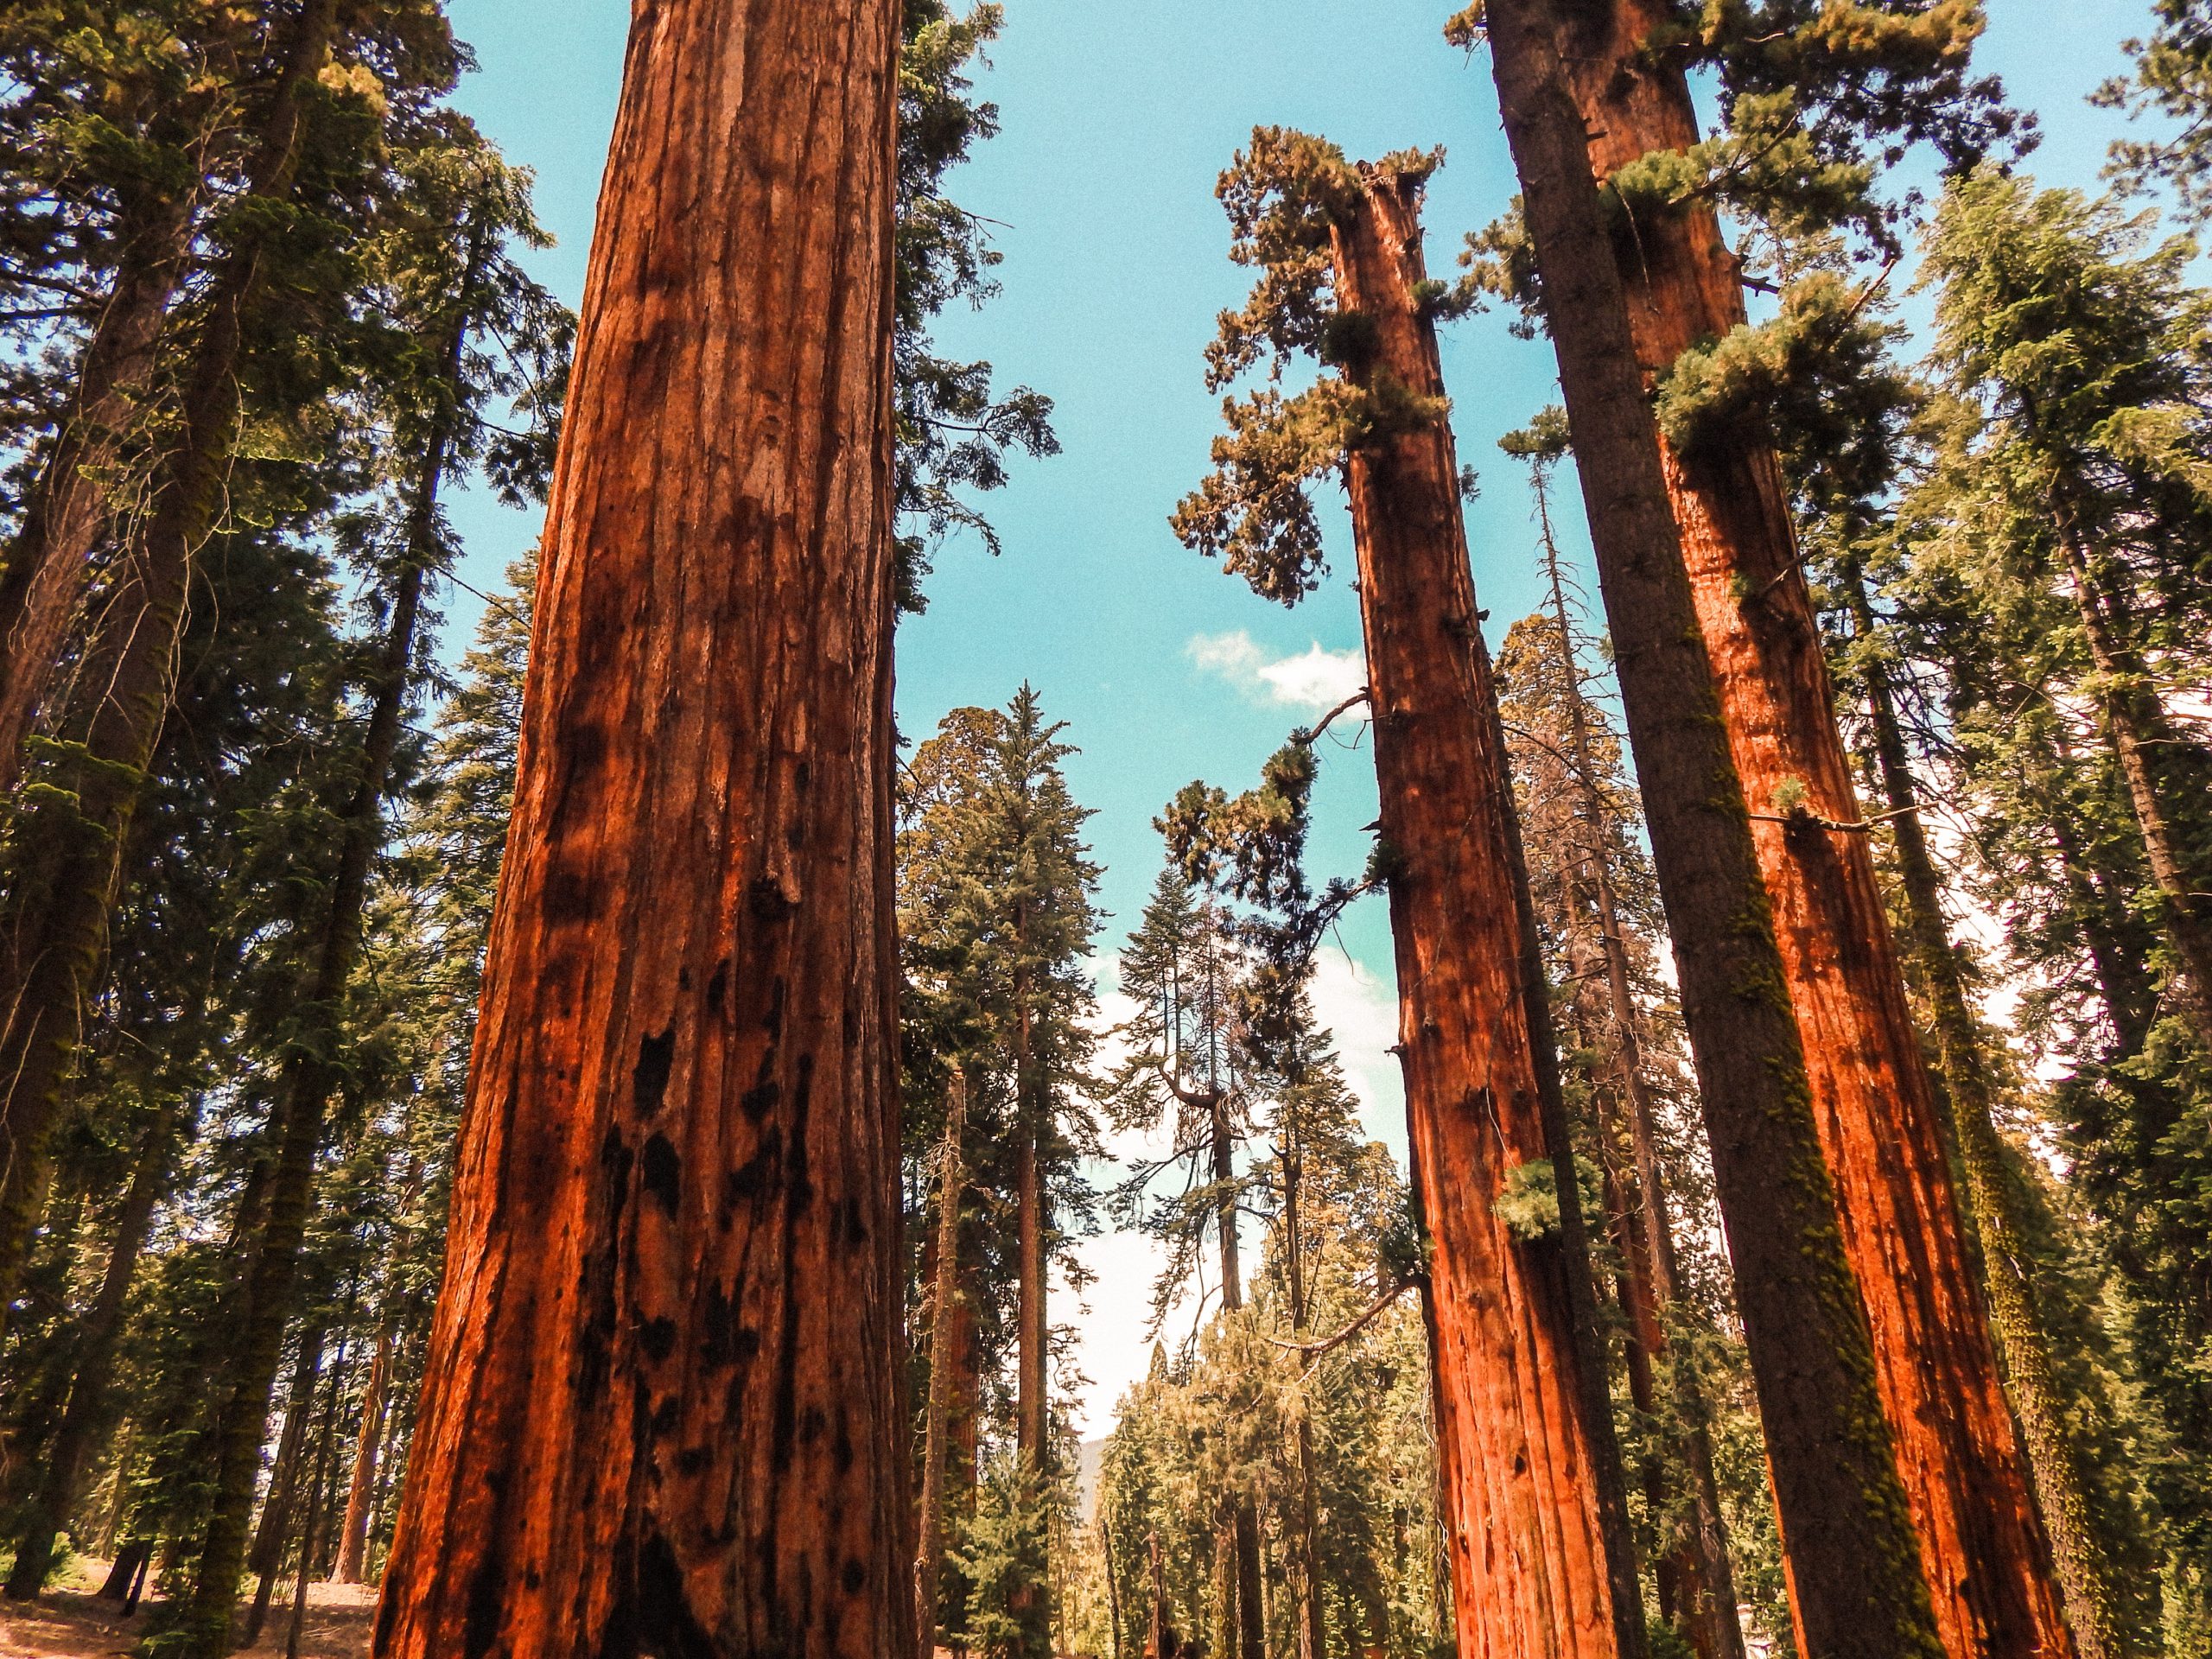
x: 1314, y: 678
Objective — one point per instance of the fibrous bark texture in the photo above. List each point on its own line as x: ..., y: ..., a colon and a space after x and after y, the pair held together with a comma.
x: 1987, y: 1560
x: 663, y: 1410
x: 1849, y: 1543
x: 1529, y: 1564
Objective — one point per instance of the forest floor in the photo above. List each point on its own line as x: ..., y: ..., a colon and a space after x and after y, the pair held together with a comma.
x: 68, y: 1622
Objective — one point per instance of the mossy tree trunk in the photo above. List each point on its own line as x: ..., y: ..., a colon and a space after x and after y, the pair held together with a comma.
x: 1850, y: 1547
x: 1986, y: 1558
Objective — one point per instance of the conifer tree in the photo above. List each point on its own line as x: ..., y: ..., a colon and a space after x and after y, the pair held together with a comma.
x: 1854, y: 1553
x: 1520, y: 1385
x: 690, y: 991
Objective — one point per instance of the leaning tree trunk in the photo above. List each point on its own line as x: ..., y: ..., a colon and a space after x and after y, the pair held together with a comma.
x: 266, y: 1559
x: 313, y: 1071
x: 57, y: 909
x: 1854, y: 1559
x: 42, y: 584
x: 87, y: 1414
x: 2094, y: 1608
x: 1984, y: 1552
x: 663, y: 1410
x: 1519, y: 1470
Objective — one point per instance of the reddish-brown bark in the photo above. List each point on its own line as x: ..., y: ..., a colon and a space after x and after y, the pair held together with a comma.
x: 1518, y: 1471
x: 662, y: 1408
x: 1987, y: 1562
x: 1849, y: 1545
x: 353, y: 1528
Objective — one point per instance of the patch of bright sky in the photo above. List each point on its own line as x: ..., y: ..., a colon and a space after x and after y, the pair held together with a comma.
x: 1117, y: 121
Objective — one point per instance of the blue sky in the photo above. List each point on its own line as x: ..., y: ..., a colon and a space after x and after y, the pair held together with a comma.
x: 1117, y: 121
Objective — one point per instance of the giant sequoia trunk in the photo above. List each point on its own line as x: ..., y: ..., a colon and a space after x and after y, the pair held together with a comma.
x: 1519, y: 1462
x: 663, y: 1407
x: 2094, y: 1608
x: 42, y: 584
x: 1987, y: 1561
x: 57, y: 908
x: 1853, y: 1555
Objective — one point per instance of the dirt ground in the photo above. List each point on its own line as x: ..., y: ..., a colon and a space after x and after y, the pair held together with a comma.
x: 68, y: 1622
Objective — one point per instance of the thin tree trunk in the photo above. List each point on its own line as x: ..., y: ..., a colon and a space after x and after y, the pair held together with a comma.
x: 353, y: 1532
x: 312, y: 1073
x: 91, y: 1393
x: 266, y: 1559
x: 929, y: 1561
x: 1984, y: 1552
x: 663, y: 1409
x: 318, y: 1499
x: 1248, y: 1626
x: 2093, y: 1604
x: 1519, y: 1464
x: 1709, y: 1577
x: 42, y: 584
x: 1313, y: 1641
x: 56, y: 930
x: 2143, y: 738
x: 1033, y: 1327
x: 1853, y: 1555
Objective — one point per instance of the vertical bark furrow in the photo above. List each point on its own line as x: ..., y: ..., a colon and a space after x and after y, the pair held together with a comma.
x: 700, y: 859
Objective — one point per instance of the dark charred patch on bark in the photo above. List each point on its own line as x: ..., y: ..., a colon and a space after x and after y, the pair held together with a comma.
x: 569, y: 897
x: 856, y: 1223
x: 718, y: 987
x: 666, y: 1626
x: 488, y: 1585
x: 854, y: 1577
x: 798, y: 1178
x: 759, y: 1100
x: 657, y: 1339
x: 768, y: 903
x: 649, y: 1078
x: 750, y: 1180
x: 660, y: 1172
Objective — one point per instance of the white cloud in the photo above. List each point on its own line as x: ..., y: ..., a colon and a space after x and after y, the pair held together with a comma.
x: 1315, y: 678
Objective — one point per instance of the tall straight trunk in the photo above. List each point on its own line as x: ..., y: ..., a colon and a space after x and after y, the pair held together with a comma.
x: 1033, y: 1327
x: 266, y: 1559
x: 2146, y: 744
x: 1708, y: 1574
x: 1313, y: 1641
x: 1250, y: 1626
x: 88, y: 1410
x: 361, y: 1489
x: 945, y: 1295
x: 313, y: 1071
x: 1986, y: 1557
x: 71, y: 502
x: 1518, y: 1463
x: 2056, y: 1459
x: 318, y: 1500
x: 1849, y: 1544
x: 55, y: 926
x: 663, y: 1410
